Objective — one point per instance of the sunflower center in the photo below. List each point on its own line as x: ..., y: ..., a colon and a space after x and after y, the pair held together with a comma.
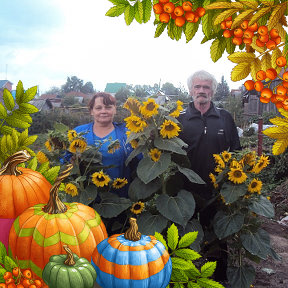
x: 137, y: 207
x: 254, y: 184
x: 169, y: 127
x: 100, y: 178
x: 150, y: 107
x: 237, y: 174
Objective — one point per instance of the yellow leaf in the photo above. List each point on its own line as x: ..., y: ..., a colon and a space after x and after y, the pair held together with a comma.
x: 266, y: 61
x: 250, y: 3
x: 241, y: 17
x: 276, y: 15
x: 280, y: 146
x: 240, y: 71
x: 225, y: 14
x: 255, y: 67
x: 218, y: 5
x: 282, y: 31
x: 239, y: 57
x: 256, y: 47
x: 283, y: 112
x: 279, y: 121
x: 237, y: 5
x: 276, y: 132
x: 261, y: 12
x: 267, y: 2
x: 275, y: 54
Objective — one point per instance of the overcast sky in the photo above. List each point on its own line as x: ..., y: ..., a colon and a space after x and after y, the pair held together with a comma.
x: 43, y: 42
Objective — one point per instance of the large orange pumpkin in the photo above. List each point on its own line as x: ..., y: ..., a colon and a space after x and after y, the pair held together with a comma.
x: 42, y: 230
x: 20, y: 188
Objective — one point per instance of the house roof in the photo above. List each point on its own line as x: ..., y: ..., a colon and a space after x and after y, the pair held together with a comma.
x: 3, y: 82
x: 48, y: 96
x: 39, y: 103
x: 114, y: 87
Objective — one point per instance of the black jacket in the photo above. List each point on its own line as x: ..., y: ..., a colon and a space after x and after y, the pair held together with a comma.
x: 211, y: 133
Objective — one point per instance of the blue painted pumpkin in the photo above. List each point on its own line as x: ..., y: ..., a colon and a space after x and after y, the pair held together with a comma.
x: 132, y: 260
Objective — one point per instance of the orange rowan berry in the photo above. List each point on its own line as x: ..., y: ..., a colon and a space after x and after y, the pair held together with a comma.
x: 260, y: 75
x: 187, y: 6
x: 264, y: 100
x: 249, y: 85
x: 164, y: 17
x: 32, y: 286
x: 190, y: 16
x: 169, y: 7
x: 227, y: 33
x: 271, y: 45
x: 262, y: 30
x: 27, y: 274
x: 223, y: 25
x: 237, y: 41
x: 238, y: 32
x: 285, y: 84
x: 11, y: 285
x: 279, y: 105
x: 38, y: 283
x: 15, y: 271
x: 285, y: 76
x: 277, y: 40
x: 228, y: 23
x: 253, y: 27
x: 180, y: 21
x: 281, y: 61
x: 200, y: 11
x: 266, y: 93
x: 19, y: 286
x: 179, y: 11
x: 279, y: 97
x: 281, y: 90
x: 158, y: 8
x: 271, y: 73
x: 3, y: 285
x: 247, y: 40
x: 248, y: 33
x: 26, y: 283
x: 258, y: 86
x: 173, y: 16
x: 7, y: 275
x: 9, y: 280
x: 260, y: 43
x: 273, y: 99
x: 285, y: 107
x: 263, y: 38
x: 244, y: 24
x: 164, y: 1
x: 196, y: 18
x: 229, y: 18
x: 274, y: 33
x: 285, y: 101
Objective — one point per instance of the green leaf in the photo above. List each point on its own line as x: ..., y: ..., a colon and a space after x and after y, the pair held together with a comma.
x: 170, y: 30
x: 172, y: 236
x: 138, y: 190
x: 52, y: 174
x: 169, y: 145
x: 23, y: 135
x: 3, y: 252
x: 204, y: 282
x: 207, y: 21
x: 27, y: 108
x: 191, y: 175
x: 32, y: 164
x: 8, y: 100
x: 129, y: 14
x: 178, y: 209
x: 17, y: 123
x: 177, y: 32
x: 3, y: 112
x: 147, y: 7
x: 187, y: 254
x: 208, y: 269
x: 181, y: 264
x: 111, y: 205
x: 193, y: 272
x: 116, y: 10
x: 9, y: 263
x: 2, y: 272
x: 160, y: 238
x: 190, y: 30
x: 188, y: 239
x: 149, y: 224
x: 60, y: 127
x: 19, y: 92
x: 6, y: 130
x: 193, y: 285
x: 217, y: 49
x: 178, y: 275
x: 9, y: 144
x: 117, y: 2
x: 230, y: 47
x: 226, y: 225
x: 160, y: 29
x: 29, y: 94
x: 263, y: 207
x: 139, y: 12
x: 242, y: 276
x: 232, y: 192
x: 43, y: 167
x: 257, y: 243
x: 30, y: 140
x: 148, y: 170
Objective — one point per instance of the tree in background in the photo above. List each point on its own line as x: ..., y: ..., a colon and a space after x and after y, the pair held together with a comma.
x: 169, y: 89
x: 87, y: 88
x: 234, y: 105
x: 53, y: 90
x: 222, y: 91
x: 72, y: 84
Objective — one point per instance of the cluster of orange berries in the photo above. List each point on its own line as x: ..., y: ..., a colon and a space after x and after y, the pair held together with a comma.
x: 181, y: 13
x: 245, y: 33
x: 21, y: 279
x: 280, y: 98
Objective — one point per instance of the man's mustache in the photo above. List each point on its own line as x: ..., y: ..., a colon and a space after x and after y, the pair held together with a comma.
x: 202, y: 95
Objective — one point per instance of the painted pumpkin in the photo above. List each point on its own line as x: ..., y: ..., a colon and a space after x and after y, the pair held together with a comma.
x: 69, y: 271
x: 41, y: 231
x: 20, y: 188
x: 132, y: 260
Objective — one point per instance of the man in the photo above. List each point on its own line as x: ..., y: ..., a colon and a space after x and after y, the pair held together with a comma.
x: 207, y: 130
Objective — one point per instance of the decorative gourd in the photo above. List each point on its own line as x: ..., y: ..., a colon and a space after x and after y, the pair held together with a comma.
x: 132, y: 260
x: 42, y: 230
x: 69, y: 271
x: 20, y: 188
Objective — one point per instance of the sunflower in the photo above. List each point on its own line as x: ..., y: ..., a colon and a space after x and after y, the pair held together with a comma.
x: 115, y: 145
x: 261, y: 164
x: 218, y: 169
x: 132, y: 105
x: 71, y: 189
x: 134, y: 143
x: 78, y: 145
x: 169, y: 129
x: 100, y: 179
x: 149, y: 108
x: 226, y: 156
x: 249, y: 159
x: 137, y: 207
x: 155, y: 154
x: 235, y: 164
x: 119, y: 183
x: 219, y: 161
x: 48, y: 145
x: 178, y: 109
x: 71, y: 134
x: 41, y: 157
x: 213, y: 180
x: 237, y: 176
x: 255, y: 186
x: 135, y: 123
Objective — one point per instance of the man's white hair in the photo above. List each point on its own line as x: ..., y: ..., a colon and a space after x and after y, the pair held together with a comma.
x: 202, y: 75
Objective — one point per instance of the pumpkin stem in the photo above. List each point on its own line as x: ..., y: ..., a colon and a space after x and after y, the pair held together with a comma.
x: 70, y: 259
x: 10, y: 164
x: 132, y: 233
x: 55, y: 205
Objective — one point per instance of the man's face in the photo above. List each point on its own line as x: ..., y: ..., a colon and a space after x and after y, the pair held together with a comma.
x: 201, y: 91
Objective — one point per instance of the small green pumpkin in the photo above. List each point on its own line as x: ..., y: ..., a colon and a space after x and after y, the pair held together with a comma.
x: 69, y: 271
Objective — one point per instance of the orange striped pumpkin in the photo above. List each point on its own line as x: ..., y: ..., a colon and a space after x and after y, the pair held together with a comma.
x: 20, y: 188
x: 42, y: 230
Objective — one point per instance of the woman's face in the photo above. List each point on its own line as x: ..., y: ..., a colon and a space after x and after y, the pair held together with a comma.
x: 101, y: 113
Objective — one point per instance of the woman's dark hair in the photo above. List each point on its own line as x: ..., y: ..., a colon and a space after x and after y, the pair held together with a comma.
x: 108, y: 99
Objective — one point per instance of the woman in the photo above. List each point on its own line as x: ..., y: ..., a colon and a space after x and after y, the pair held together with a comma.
x: 102, y: 131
